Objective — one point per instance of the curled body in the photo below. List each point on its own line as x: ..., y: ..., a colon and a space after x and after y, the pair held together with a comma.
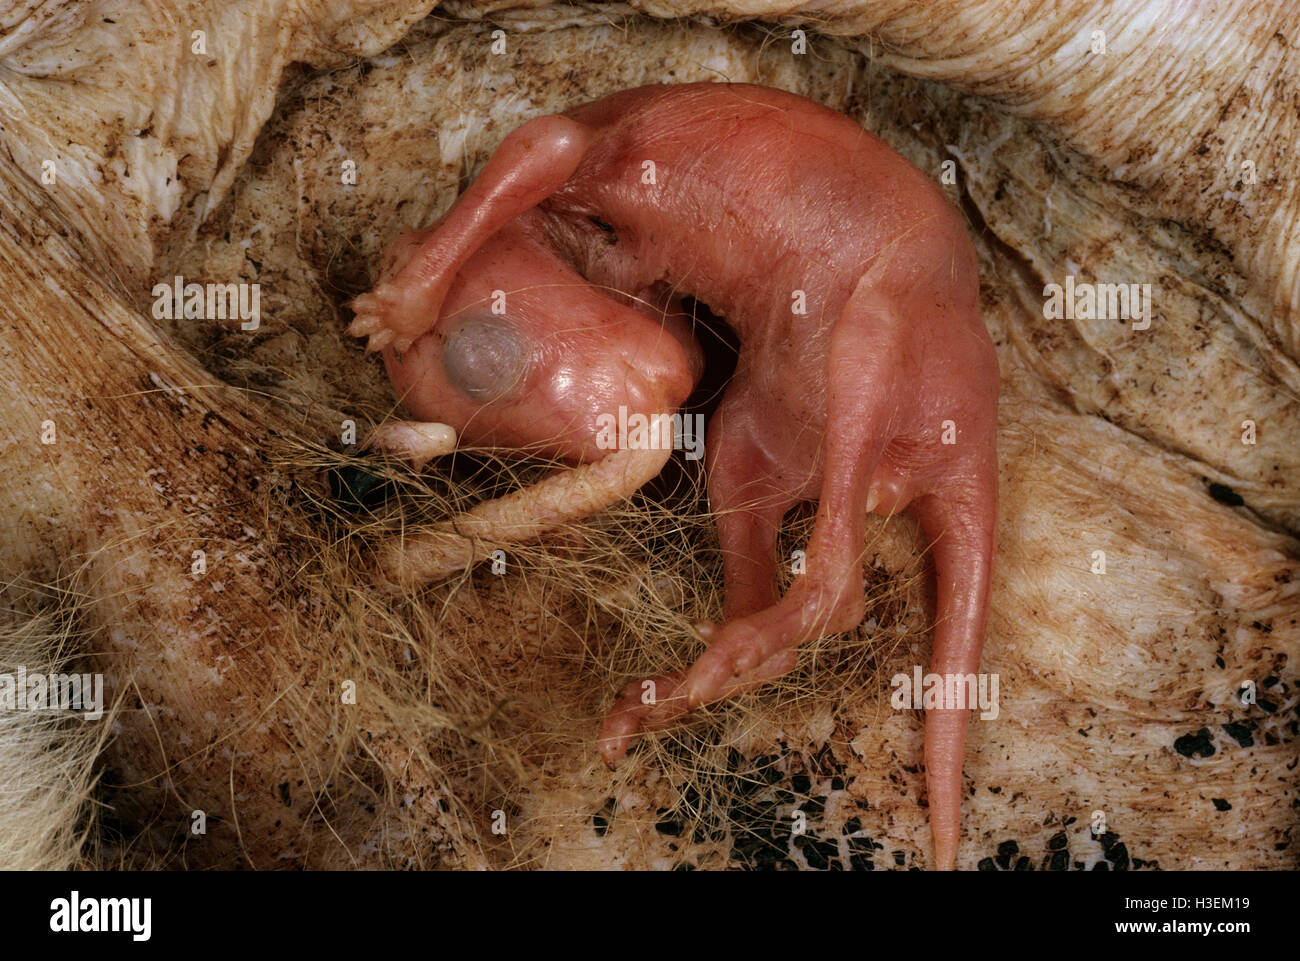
x: 866, y: 380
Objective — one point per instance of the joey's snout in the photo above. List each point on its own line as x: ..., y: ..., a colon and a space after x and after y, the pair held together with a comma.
x: 664, y: 363
x: 601, y: 375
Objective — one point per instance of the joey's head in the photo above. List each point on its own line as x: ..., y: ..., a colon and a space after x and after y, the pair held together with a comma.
x: 526, y: 353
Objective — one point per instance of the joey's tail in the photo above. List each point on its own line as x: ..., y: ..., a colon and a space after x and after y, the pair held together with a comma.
x: 961, y: 524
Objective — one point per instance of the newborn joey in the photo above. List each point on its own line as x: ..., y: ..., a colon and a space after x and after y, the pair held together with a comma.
x: 865, y: 379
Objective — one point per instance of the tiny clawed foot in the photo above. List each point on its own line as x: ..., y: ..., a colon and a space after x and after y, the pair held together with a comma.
x: 616, y: 736
x: 370, y: 309
x: 377, y: 316
x: 381, y: 339
x: 643, y: 705
x: 735, y: 652
x: 708, y: 679
x: 736, y: 662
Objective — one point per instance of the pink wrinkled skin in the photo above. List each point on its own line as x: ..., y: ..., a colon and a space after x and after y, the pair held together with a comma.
x: 753, y: 201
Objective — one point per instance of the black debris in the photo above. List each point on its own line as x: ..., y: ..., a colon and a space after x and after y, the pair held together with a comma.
x: 860, y: 852
x: 821, y: 853
x: 669, y: 826
x: 1006, y: 851
x: 1118, y: 856
x: 1226, y: 495
x: 1194, y: 745
x: 355, y: 489
x: 1240, y: 732
x: 600, y: 820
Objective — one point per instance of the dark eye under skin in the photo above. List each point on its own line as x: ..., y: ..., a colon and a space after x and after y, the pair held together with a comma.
x: 484, y: 357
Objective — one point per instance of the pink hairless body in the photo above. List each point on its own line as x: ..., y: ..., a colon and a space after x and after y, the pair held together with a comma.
x: 865, y: 379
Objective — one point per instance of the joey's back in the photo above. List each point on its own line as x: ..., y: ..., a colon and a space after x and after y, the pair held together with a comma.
x: 740, y: 195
